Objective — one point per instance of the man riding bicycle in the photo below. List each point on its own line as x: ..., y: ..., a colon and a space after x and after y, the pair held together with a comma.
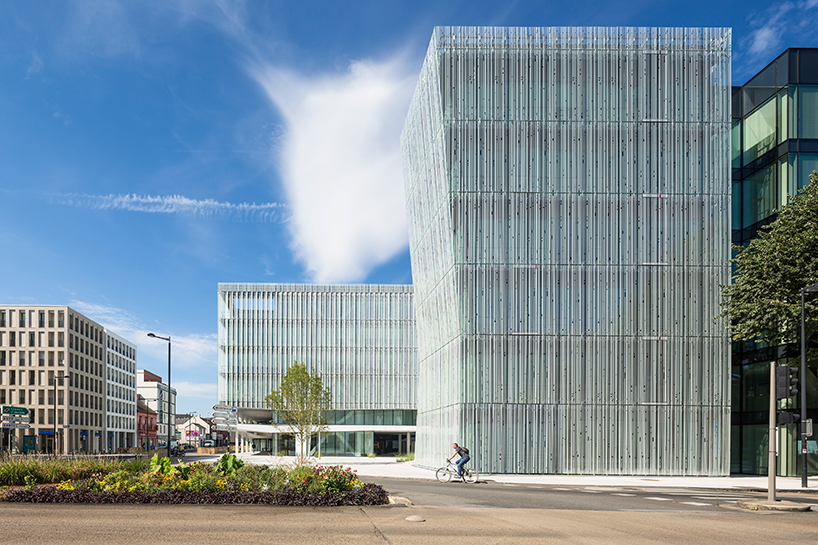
x: 464, y: 457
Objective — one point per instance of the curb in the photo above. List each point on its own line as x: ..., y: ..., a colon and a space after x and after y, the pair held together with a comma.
x: 781, y: 505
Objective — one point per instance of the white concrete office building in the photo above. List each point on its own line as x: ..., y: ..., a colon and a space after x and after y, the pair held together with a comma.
x: 162, y: 399
x: 120, y: 393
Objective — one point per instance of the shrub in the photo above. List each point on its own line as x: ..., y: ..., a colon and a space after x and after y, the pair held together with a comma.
x: 337, y: 479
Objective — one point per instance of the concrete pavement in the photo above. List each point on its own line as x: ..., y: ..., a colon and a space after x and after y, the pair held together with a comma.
x: 390, y: 467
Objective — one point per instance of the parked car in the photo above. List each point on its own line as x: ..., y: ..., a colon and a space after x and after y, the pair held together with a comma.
x: 210, y: 443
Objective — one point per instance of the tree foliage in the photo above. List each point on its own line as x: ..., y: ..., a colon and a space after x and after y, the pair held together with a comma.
x: 301, y: 403
x: 764, y: 301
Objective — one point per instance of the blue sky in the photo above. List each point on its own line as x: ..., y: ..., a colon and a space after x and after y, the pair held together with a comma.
x: 149, y: 150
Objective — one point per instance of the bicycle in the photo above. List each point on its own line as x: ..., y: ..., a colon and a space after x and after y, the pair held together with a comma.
x: 445, y: 474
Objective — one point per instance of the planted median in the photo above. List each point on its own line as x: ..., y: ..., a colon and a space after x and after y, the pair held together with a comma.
x: 229, y: 481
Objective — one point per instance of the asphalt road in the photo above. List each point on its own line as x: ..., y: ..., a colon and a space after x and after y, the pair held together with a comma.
x: 485, y: 494
x: 257, y: 524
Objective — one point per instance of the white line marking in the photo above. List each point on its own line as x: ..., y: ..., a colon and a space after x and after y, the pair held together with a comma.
x: 697, y: 504
x: 659, y: 499
x: 564, y: 489
x: 620, y: 494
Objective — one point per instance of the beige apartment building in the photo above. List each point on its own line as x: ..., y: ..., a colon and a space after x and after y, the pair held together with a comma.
x: 52, y: 362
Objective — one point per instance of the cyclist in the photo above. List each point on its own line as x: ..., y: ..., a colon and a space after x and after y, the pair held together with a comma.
x: 464, y: 457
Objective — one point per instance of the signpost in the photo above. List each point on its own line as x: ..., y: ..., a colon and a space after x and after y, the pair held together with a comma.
x: 21, y: 411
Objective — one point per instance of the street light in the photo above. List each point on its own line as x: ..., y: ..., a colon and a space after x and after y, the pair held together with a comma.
x: 168, y: 411
x: 61, y: 380
x: 804, y: 483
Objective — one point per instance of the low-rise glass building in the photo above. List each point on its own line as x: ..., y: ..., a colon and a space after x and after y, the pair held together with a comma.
x: 359, y: 338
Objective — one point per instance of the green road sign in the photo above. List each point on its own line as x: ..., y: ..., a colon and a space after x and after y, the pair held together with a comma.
x: 8, y: 409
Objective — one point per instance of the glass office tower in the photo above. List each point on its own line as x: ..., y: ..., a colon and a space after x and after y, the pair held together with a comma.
x: 774, y: 150
x: 568, y: 196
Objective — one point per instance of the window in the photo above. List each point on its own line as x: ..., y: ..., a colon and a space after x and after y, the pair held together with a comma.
x: 22, y: 358
x: 2, y: 397
x: 12, y: 338
x: 41, y: 358
x: 2, y: 318
x: 22, y: 319
x: 32, y: 340
x: 42, y: 318
x: 759, y: 131
x: 2, y: 357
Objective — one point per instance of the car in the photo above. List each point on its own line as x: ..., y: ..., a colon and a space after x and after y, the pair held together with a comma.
x: 210, y: 443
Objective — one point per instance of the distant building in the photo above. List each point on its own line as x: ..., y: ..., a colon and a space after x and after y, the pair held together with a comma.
x: 120, y: 389
x: 161, y: 399
x: 146, y: 425
x: 41, y: 345
x: 192, y: 429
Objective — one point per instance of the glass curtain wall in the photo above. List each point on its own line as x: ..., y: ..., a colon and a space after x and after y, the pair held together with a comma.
x: 568, y: 197
x: 775, y: 148
x: 359, y: 338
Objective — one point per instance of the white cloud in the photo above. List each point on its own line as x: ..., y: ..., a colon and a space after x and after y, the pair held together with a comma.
x: 771, y: 25
x: 188, y: 352
x: 197, y: 390
x: 341, y: 165
x: 36, y: 65
x: 176, y: 204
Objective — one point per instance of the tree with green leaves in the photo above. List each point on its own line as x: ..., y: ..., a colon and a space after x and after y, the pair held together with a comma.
x: 301, y: 404
x: 764, y: 301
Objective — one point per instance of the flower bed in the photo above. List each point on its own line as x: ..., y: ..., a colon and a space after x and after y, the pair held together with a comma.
x: 228, y: 481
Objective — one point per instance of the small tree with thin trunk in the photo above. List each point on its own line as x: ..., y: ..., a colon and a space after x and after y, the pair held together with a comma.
x: 301, y: 404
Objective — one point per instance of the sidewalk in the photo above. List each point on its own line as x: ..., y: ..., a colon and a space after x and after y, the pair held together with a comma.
x: 390, y: 468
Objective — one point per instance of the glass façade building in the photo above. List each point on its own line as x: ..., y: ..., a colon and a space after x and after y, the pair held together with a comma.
x: 568, y: 197
x: 359, y: 338
x: 774, y: 149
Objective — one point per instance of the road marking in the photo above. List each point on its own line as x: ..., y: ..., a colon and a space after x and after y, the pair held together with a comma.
x: 695, y: 503
x: 564, y: 489
x: 590, y: 491
x: 658, y: 499
x: 621, y: 494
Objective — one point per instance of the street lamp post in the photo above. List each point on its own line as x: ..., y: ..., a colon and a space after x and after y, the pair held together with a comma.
x: 61, y: 379
x: 804, y: 483
x: 168, y: 411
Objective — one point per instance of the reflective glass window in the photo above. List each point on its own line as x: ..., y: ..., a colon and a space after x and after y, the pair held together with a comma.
x: 759, y: 131
x: 807, y: 111
x: 759, y: 195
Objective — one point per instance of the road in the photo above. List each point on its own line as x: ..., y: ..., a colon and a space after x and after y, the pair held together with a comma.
x: 258, y: 524
x: 486, y: 494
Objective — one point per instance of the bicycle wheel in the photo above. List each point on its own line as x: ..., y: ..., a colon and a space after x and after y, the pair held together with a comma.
x: 443, y: 475
x: 470, y: 475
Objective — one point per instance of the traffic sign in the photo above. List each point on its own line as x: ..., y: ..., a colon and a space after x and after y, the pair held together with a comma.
x: 8, y: 409
x: 15, y: 418
x: 220, y: 413
x: 10, y: 425
x: 225, y: 428
x: 227, y: 408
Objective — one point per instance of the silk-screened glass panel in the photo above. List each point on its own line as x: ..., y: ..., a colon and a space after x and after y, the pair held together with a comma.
x: 569, y: 202
x: 359, y: 338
